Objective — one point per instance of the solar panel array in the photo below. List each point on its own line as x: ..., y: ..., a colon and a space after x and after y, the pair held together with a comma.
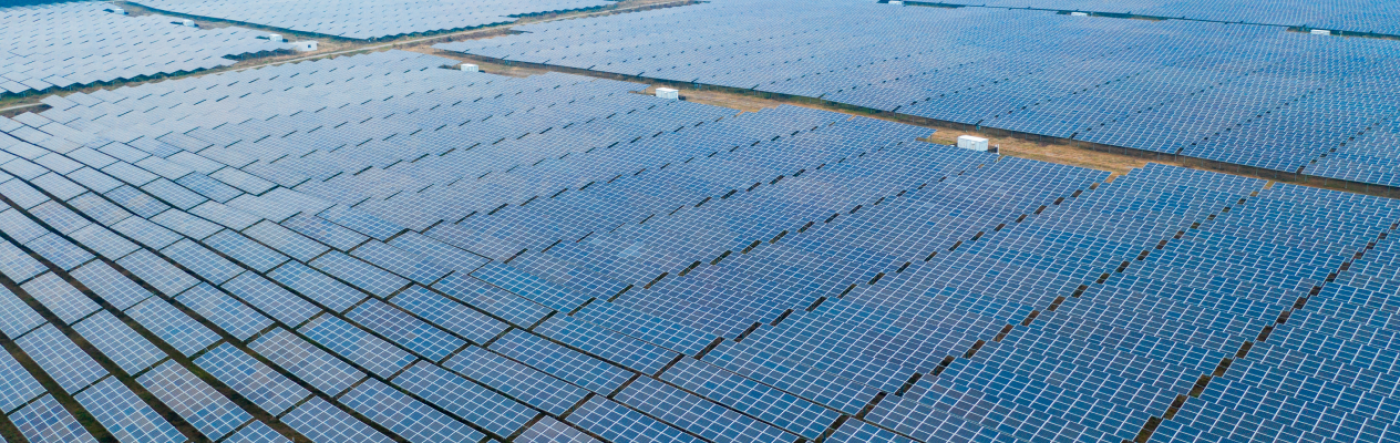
x: 1324, y: 370
x: 374, y: 248
x: 54, y: 46
x: 1378, y: 17
x: 1238, y: 94
x: 371, y: 19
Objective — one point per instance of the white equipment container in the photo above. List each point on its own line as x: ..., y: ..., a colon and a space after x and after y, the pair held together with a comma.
x: 1078, y: 14
x: 305, y: 45
x: 118, y: 11
x: 468, y: 67
x: 276, y: 38
x: 896, y: 3
x: 189, y: 23
x: 1320, y: 32
x: 668, y: 93
x: 973, y: 143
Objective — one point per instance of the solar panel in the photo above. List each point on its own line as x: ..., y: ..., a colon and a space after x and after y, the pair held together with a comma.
x: 125, y: 415
x: 53, y: 46
x: 555, y: 258
x: 195, y: 401
x: 1225, y: 84
x: 372, y: 20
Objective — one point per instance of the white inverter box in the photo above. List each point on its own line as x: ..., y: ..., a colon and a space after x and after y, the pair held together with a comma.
x: 305, y: 45
x: 973, y: 143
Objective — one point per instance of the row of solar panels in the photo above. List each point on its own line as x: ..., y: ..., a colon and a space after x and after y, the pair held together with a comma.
x: 76, y: 44
x: 675, y: 273
x: 1249, y: 95
x: 366, y: 19
x: 215, y: 270
x: 1376, y: 17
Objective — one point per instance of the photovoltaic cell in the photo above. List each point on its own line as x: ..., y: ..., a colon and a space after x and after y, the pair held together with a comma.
x: 59, y: 297
x: 173, y: 326
x: 320, y: 421
x: 357, y: 345
x: 449, y: 314
x: 119, y: 342
x: 307, y: 362
x: 45, y: 421
x: 195, y: 401
x: 256, y: 432
x: 360, y: 274
x: 157, y: 272
x: 124, y: 414
x: 252, y: 379
x: 405, y: 416
x: 317, y: 286
x: 17, y: 386
x: 61, y: 358
x: 265, y: 295
x: 399, y: 327
x: 464, y: 398
x: 231, y: 315
x: 517, y: 380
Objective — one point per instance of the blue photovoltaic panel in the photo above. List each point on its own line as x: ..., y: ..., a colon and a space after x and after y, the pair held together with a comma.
x: 615, y: 422
x: 18, y: 385
x: 405, y: 416
x: 19, y: 318
x: 569, y: 365
x: 464, y: 398
x: 493, y: 300
x: 61, y: 358
x: 360, y: 274
x: 1228, y: 85
x: 323, y: 422
x: 265, y: 295
x: 195, y: 401
x: 252, y: 379
x: 549, y: 430
x: 173, y: 326
x: 317, y: 286
x: 449, y: 314
x: 125, y: 415
x: 316, y: 367
x: 63, y: 62
x: 357, y: 345
x: 202, y: 261
x: 155, y: 271
x: 59, y: 297
x: 555, y: 258
x: 517, y: 380
x: 119, y: 342
x: 230, y: 314
x: 256, y: 432
x: 367, y: 20
x: 45, y: 421
x: 405, y: 330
